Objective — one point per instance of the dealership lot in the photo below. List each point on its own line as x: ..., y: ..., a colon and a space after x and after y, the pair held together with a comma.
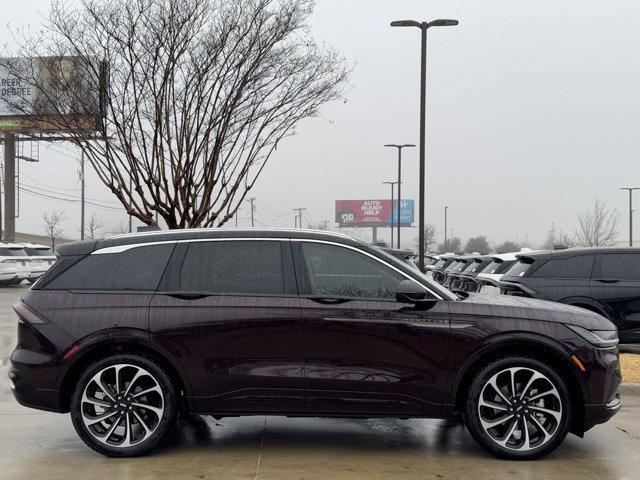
x: 43, y: 445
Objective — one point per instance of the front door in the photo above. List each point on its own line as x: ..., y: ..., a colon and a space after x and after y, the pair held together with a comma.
x: 367, y: 354
x: 228, y: 310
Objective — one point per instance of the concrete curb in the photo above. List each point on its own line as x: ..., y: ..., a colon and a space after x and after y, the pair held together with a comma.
x: 629, y: 389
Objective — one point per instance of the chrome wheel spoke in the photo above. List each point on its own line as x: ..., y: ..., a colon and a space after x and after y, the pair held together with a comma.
x: 134, y: 416
x: 527, y: 420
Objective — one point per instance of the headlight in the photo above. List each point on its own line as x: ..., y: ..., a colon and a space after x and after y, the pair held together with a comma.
x: 597, y: 338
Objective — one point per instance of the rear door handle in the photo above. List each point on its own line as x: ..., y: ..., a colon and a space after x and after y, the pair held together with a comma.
x: 607, y: 280
x: 329, y: 300
x: 188, y: 296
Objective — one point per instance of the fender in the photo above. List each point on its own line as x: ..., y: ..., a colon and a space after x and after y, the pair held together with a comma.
x: 506, y: 340
x: 90, y: 343
x: 597, y: 306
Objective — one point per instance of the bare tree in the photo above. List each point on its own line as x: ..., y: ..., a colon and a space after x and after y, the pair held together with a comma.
x: 93, y: 226
x: 198, y: 95
x: 119, y: 229
x: 52, y: 223
x: 430, y: 236
x: 598, y: 226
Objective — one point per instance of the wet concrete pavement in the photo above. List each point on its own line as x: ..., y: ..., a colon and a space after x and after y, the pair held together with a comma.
x: 38, y: 445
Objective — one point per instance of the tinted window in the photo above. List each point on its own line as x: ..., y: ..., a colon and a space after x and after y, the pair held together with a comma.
x: 233, y: 267
x: 340, y: 272
x: 620, y: 266
x: 12, y: 252
x: 517, y: 269
x: 39, y: 252
x: 578, y: 266
x: 138, y: 268
x: 493, y: 267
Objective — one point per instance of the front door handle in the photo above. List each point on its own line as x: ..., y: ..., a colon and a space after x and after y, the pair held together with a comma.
x: 329, y: 300
x: 607, y: 280
x: 188, y: 296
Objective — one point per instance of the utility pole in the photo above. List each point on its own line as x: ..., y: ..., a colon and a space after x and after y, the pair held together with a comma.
x: 399, y: 147
x: 82, y: 196
x: 392, y: 185
x: 423, y: 26
x: 251, y: 201
x: 299, y: 210
x: 9, y: 187
x: 630, y: 189
x: 325, y: 224
x: 445, y: 227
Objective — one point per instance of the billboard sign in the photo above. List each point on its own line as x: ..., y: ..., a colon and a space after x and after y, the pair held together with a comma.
x: 50, y: 94
x: 373, y: 213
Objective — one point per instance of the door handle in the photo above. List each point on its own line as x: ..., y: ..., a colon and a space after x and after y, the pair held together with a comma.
x: 329, y: 301
x: 607, y: 280
x: 188, y: 296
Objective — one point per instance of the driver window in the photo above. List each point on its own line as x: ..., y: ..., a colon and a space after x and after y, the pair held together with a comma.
x: 341, y: 272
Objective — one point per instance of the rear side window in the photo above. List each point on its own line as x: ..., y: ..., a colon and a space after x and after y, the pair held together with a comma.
x: 138, y: 268
x: 12, y: 252
x: 578, y: 266
x: 518, y: 269
x: 245, y: 267
x: 620, y: 266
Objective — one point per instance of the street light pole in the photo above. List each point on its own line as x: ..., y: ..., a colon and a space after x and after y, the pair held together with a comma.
x: 392, y: 185
x: 423, y: 26
x: 445, y: 228
x: 399, y: 147
x: 630, y: 189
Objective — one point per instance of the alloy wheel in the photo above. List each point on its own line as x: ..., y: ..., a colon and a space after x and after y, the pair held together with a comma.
x: 520, y: 409
x: 122, y: 405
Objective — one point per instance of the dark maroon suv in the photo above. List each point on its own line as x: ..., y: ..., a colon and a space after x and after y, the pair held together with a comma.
x: 126, y: 332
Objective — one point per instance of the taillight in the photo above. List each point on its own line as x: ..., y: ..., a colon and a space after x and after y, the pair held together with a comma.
x: 26, y: 315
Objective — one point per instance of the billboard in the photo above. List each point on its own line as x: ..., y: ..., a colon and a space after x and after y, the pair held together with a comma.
x: 50, y: 94
x: 373, y: 213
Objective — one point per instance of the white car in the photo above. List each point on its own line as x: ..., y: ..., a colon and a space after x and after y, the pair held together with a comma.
x: 491, y: 275
x: 14, y: 264
x: 41, y: 258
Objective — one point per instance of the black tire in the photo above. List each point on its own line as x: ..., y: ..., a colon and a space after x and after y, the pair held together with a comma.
x: 164, y: 398
x: 559, y: 401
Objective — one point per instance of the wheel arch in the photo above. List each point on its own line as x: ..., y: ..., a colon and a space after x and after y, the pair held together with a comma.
x: 107, y: 347
x: 528, y: 348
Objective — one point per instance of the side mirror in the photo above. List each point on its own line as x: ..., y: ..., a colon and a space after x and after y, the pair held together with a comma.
x: 410, y: 291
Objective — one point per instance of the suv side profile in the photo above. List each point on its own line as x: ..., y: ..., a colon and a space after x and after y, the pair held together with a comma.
x: 123, y: 333
x: 603, y: 280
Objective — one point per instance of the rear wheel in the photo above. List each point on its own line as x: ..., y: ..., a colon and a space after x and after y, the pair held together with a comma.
x: 123, y: 405
x: 518, y: 408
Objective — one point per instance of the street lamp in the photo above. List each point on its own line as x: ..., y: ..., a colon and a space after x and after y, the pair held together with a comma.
x: 399, y: 147
x: 392, y: 185
x: 423, y: 26
x: 630, y: 189
x: 445, y: 227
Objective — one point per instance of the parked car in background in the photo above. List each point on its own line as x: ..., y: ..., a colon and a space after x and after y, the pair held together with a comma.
x: 406, y: 256
x: 41, y: 258
x: 467, y: 278
x: 127, y: 332
x: 438, y: 269
x: 452, y: 274
x: 489, y: 278
x: 603, y: 280
x: 14, y: 264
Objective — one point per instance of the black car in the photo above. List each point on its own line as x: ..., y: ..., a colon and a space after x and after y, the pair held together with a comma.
x: 467, y: 279
x: 440, y: 268
x: 603, y: 280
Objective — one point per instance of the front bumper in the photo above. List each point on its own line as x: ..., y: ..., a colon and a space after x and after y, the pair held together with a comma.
x: 597, y: 414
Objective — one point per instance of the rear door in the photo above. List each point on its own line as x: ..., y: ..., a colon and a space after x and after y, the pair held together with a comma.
x: 367, y: 354
x: 563, y: 278
x: 616, y: 284
x: 229, y: 312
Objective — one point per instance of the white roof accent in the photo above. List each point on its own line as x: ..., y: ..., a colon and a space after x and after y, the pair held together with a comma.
x: 224, y: 229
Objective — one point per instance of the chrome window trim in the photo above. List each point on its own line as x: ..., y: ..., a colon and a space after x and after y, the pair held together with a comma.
x: 124, y: 248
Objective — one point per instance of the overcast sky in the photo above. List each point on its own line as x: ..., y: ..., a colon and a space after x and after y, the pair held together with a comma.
x: 533, y: 112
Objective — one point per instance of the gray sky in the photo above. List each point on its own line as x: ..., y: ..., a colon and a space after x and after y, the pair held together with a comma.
x: 533, y: 112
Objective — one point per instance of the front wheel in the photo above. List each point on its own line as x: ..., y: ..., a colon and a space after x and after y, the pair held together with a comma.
x: 123, y: 405
x: 518, y: 408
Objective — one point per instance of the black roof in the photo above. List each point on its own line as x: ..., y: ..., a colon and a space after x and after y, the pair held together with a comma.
x: 88, y: 246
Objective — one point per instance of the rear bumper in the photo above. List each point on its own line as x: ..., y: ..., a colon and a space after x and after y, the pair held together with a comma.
x: 28, y: 396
